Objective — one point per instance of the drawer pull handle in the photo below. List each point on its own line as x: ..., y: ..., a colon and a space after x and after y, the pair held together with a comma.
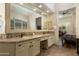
x: 20, y: 45
x: 30, y: 42
x: 31, y: 46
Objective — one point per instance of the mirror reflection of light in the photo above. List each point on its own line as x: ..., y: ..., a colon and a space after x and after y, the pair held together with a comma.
x: 47, y: 11
x: 40, y: 6
x: 34, y: 9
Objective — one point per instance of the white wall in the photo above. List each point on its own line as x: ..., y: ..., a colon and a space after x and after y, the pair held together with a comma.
x: 77, y: 21
x: 2, y: 18
x: 69, y: 22
x: 51, y: 6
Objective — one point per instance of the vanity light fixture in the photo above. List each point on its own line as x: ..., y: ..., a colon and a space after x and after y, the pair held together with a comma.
x: 40, y: 6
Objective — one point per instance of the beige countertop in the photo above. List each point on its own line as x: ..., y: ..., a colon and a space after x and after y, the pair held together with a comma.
x: 20, y: 31
x: 15, y: 40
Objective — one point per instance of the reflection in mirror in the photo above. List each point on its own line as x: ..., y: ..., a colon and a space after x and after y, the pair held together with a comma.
x: 18, y: 24
x: 67, y: 19
x: 28, y: 17
x: 38, y: 23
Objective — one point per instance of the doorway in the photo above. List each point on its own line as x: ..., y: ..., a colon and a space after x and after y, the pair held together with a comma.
x: 67, y: 26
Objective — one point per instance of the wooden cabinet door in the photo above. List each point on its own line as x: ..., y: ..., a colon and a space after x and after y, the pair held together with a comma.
x: 27, y: 48
x: 36, y: 47
x: 30, y: 48
x: 22, y: 49
x: 7, y: 49
x: 50, y: 41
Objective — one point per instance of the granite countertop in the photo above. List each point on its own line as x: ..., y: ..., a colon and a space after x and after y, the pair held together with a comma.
x: 15, y: 40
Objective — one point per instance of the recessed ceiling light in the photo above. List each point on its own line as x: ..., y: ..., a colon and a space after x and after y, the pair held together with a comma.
x: 40, y: 6
x: 34, y: 9
x: 47, y: 11
x: 21, y: 3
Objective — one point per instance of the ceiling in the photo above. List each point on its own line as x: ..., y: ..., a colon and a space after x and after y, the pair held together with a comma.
x: 51, y: 6
x: 29, y: 7
x: 68, y: 11
x: 45, y: 7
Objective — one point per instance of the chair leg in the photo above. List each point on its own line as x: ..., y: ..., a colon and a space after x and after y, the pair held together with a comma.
x: 62, y: 42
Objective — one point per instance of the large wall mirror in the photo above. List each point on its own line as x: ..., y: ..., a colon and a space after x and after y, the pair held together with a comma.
x: 27, y: 17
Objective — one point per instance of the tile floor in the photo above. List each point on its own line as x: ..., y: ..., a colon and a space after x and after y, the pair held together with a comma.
x: 58, y: 50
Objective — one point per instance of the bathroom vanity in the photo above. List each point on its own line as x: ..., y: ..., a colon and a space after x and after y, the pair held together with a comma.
x: 26, y: 46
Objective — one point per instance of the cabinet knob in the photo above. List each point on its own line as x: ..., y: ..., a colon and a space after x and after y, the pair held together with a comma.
x: 31, y: 46
x: 19, y: 45
x: 30, y: 42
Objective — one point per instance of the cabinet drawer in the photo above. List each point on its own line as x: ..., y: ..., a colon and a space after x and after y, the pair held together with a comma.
x: 31, y: 42
x: 22, y: 49
x: 4, y: 54
x: 34, y: 41
x: 20, y: 45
